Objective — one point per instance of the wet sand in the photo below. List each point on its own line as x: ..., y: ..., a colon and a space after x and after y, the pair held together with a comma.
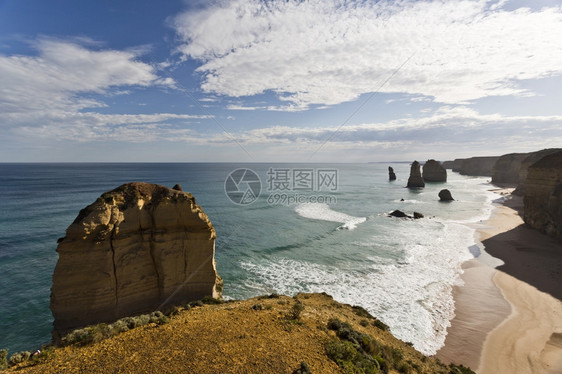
x: 509, y: 317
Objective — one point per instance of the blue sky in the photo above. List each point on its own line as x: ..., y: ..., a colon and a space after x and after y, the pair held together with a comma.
x: 277, y: 80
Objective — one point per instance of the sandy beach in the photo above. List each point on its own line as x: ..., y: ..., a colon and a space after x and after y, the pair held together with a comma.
x: 509, y: 313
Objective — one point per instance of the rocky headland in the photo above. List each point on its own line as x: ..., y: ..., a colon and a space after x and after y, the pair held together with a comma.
x: 138, y: 248
x: 543, y: 195
x: 307, y: 333
x: 526, y: 163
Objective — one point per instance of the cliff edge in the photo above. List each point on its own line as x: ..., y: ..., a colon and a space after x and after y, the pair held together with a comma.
x: 138, y: 248
x: 543, y: 195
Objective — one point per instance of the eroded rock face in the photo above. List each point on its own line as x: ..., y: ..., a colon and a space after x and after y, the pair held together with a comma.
x: 415, y: 180
x: 138, y: 248
x: 543, y: 195
x: 391, y: 175
x: 477, y: 166
x: 507, y: 167
x: 445, y: 195
x: 433, y: 171
x: 526, y: 163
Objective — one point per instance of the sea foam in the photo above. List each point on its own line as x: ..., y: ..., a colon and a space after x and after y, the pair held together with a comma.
x: 323, y: 212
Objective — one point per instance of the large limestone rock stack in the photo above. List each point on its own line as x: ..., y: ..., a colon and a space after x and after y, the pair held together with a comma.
x: 391, y: 175
x: 543, y: 195
x: 415, y: 180
x: 136, y: 249
x: 433, y: 171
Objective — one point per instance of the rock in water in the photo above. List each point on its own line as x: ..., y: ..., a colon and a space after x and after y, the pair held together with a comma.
x: 445, y: 195
x: 418, y: 215
x: 398, y: 213
x: 543, y: 195
x: 415, y: 180
x: 391, y: 175
x: 433, y: 171
x: 136, y: 249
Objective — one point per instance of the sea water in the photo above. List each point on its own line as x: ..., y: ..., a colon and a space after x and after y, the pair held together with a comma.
x: 335, y: 238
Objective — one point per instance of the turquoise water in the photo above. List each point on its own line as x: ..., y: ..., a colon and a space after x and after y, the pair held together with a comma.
x: 400, y: 270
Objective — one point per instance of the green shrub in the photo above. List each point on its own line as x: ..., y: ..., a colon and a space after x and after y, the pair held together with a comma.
x: 3, y: 359
x: 380, y: 325
x: 257, y: 307
x: 43, y: 355
x: 303, y: 369
x: 270, y: 296
x: 364, y: 323
x: 159, y: 318
x: 459, y: 369
x: 295, y: 312
x: 210, y: 300
x: 361, y: 312
x: 19, y: 357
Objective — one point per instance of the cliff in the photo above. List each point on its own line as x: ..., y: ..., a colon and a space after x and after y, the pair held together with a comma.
x: 269, y: 334
x: 543, y: 195
x: 506, y: 169
x: 136, y: 249
x: 433, y: 171
x: 415, y: 180
x: 457, y: 164
x: 448, y: 164
x: 477, y: 166
x: 526, y: 163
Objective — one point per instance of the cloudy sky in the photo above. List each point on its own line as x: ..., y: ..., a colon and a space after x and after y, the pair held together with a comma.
x: 278, y: 80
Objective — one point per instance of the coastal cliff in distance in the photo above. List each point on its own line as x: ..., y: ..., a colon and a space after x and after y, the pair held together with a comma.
x: 543, y: 195
x: 474, y: 166
x: 137, y: 248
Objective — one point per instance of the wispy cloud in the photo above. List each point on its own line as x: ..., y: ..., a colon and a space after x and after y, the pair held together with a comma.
x: 332, y: 51
x: 63, y: 71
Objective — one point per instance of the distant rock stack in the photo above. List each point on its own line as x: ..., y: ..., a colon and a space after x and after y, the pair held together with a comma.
x: 391, y: 175
x: 415, y: 180
x: 445, y: 195
x: 136, y: 249
x: 543, y: 195
x: 433, y: 171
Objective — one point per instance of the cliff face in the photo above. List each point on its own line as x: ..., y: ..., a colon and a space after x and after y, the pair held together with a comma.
x: 477, y: 166
x: 434, y: 172
x: 506, y: 169
x: 543, y: 195
x: 448, y: 164
x: 138, y: 248
x: 415, y: 180
x: 457, y: 164
x: 526, y: 163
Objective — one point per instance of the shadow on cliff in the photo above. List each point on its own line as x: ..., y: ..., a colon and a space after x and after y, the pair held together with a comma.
x: 529, y: 256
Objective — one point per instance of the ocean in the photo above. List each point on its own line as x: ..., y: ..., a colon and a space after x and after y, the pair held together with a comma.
x: 284, y: 228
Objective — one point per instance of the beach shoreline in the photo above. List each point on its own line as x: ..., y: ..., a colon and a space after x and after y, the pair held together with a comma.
x: 508, y: 313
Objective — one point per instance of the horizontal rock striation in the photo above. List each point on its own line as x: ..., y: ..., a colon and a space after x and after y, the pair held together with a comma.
x: 506, y: 169
x: 138, y: 248
x: 477, y: 166
x: 543, y: 195
x: 433, y: 171
x: 526, y: 163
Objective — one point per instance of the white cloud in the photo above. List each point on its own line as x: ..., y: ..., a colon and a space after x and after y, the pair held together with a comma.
x: 63, y: 71
x: 331, y: 51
